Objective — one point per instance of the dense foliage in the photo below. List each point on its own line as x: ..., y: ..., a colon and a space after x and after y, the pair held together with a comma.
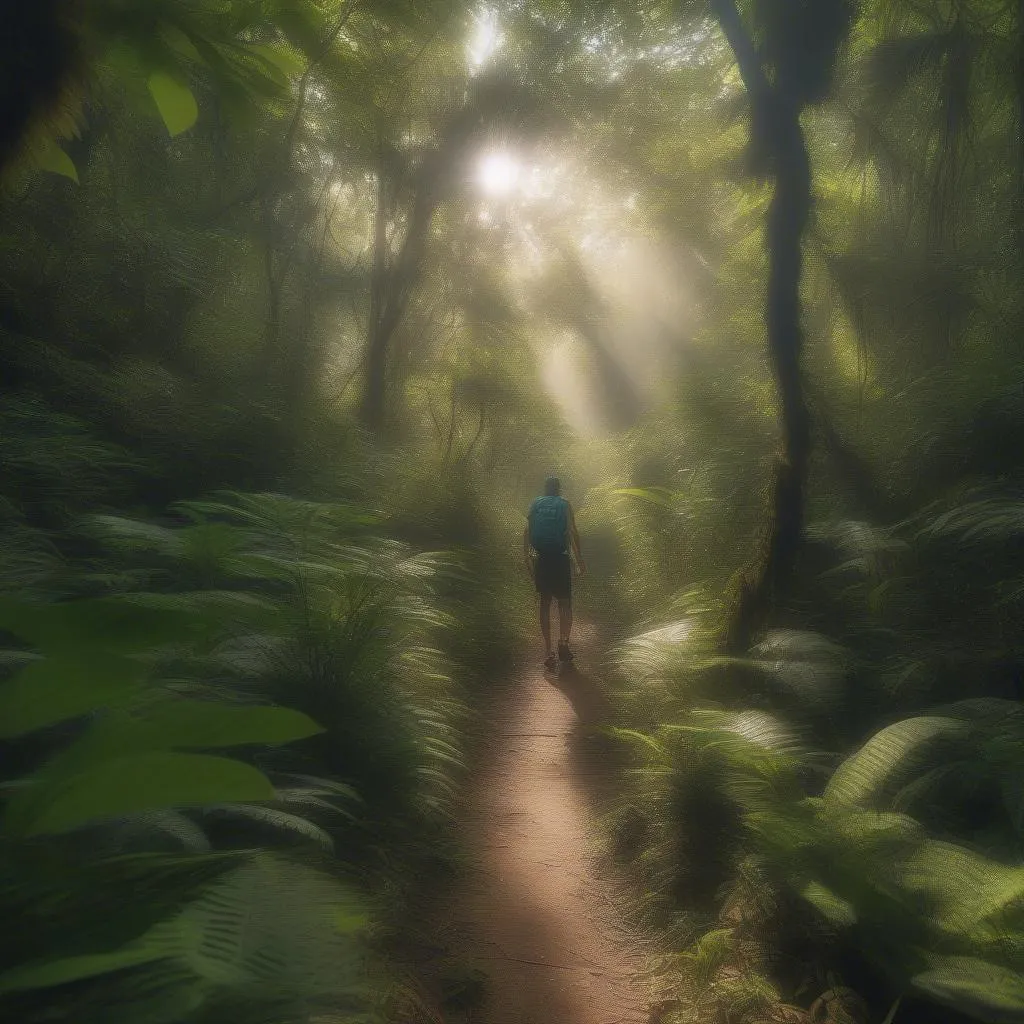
x: 299, y: 299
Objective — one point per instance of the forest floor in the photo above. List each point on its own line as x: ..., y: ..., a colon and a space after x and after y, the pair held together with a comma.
x: 535, y: 917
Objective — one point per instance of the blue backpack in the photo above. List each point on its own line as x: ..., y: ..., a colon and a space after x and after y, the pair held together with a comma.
x: 549, y: 523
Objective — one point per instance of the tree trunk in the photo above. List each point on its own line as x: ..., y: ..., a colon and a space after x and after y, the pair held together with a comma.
x: 776, y: 124
x: 1019, y: 84
x: 375, y: 383
x: 392, y: 282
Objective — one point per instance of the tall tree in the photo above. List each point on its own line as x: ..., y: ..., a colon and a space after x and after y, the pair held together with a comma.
x: 789, y: 69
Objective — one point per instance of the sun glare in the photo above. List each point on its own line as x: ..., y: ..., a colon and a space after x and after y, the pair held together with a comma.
x: 498, y: 173
x: 485, y: 38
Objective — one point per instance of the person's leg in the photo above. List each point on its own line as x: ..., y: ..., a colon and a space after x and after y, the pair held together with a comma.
x: 564, y: 594
x: 564, y: 620
x: 545, y: 622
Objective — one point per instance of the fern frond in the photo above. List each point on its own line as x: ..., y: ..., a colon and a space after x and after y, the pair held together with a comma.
x: 991, y: 520
x: 887, y: 756
x: 983, y: 990
x: 277, y: 820
x: 135, y: 535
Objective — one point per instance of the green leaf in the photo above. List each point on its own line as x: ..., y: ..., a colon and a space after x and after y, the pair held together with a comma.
x: 174, y: 100
x: 75, y: 968
x: 181, y: 724
x: 963, y: 889
x: 53, y: 158
x: 281, y: 821
x: 73, y: 628
x: 886, y: 755
x: 286, y: 63
x: 195, y: 723
x: 977, y: 987
x: 55, y: 689
x: 833, y: 908
x: 349, y: 921
x: 141, y: 782
x: 638, y: 739
x: 660, y: 496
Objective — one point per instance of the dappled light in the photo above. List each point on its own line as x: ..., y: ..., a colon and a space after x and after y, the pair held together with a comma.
x: 512, y: 513
x: 485, y: 37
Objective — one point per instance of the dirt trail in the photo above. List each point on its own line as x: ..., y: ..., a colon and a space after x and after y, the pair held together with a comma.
x: 537, y: 912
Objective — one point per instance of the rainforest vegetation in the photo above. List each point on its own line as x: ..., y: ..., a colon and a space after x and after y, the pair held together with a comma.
x: 301, y: 300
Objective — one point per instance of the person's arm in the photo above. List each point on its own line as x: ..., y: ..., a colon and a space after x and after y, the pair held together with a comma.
x: 574, y: 540
x: 527, y: 559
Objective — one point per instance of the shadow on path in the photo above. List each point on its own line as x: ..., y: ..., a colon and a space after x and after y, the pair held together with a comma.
x: 588, y: 700
x: 591, y: 751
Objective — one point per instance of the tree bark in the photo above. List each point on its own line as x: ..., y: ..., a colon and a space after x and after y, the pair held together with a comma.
x: 776, y: 127
x: 1019, y: 86
x: 374, y: 388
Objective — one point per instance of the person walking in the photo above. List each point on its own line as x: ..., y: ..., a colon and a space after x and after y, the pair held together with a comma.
x: 548, y: 538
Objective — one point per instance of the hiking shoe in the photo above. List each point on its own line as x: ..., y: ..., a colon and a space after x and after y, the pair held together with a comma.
x: 564, y: 654
x: 550, y: 663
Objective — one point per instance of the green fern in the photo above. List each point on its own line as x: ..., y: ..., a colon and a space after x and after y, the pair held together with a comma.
x: 861, y: 778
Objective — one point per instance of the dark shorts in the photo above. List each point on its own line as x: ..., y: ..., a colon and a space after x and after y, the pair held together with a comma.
x: 553, y: 575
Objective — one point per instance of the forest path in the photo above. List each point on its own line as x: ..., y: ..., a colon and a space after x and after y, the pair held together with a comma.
x: 537, y: 909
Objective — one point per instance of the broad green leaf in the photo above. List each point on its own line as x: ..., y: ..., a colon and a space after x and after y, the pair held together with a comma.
x: 73, y: 628
x: 963, y: 889
x: 140, y: 782
x: 286, y: 62
x: 977, y: 987
x: 193, y: 723
x: 893, y: 750
x: 174, y: 100
x: 175, y: 725
x: 55, y: 689
x: 63, y: 970
x: 53, y: 158
x: 833, y: 908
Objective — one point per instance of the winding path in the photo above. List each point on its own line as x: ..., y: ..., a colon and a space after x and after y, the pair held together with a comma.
x: 537, y: 912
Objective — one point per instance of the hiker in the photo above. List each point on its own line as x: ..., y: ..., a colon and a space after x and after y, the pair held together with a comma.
x: 549, y: 534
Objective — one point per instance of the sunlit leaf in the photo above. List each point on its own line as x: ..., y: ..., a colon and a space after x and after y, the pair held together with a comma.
x: 976, y: 987
x: 53, y: 158
x: 174, y: 100
x: 833, y: 908
x: 287, y: 62
x: 862, y: 775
